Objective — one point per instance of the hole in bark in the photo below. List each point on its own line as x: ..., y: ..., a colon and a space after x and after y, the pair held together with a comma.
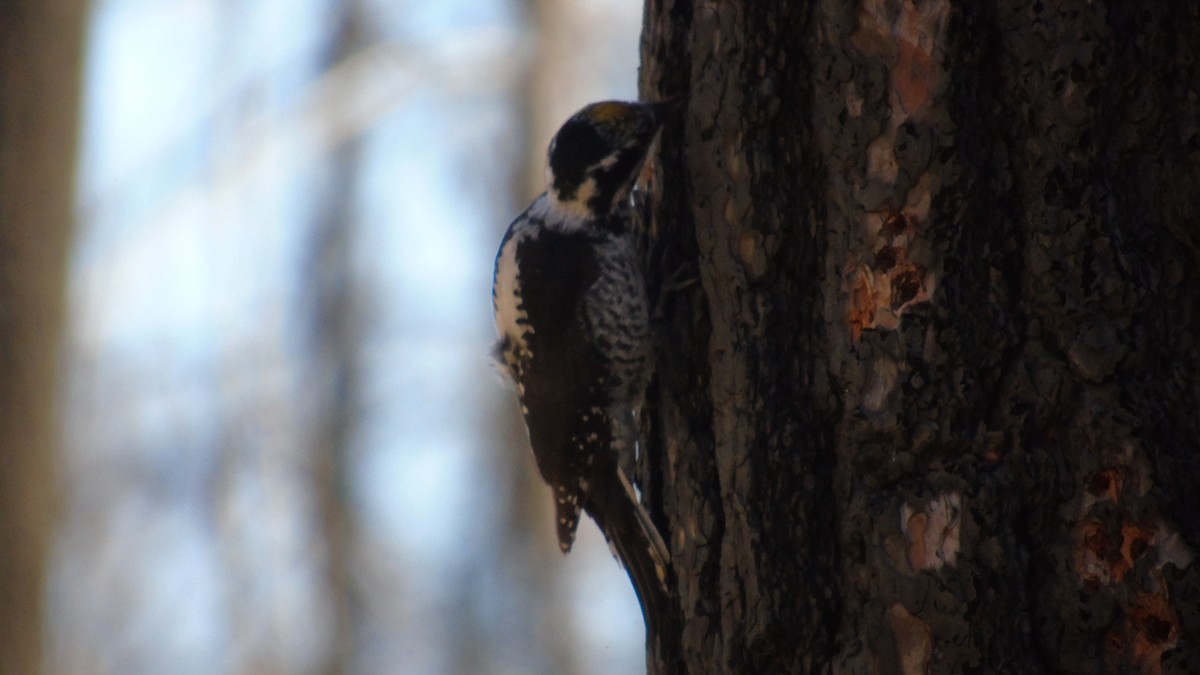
x: 905, y: 286
x: 1137, y: 548
x: 1099, y: 484
x: 1157, y: 629
x: 885, y: 258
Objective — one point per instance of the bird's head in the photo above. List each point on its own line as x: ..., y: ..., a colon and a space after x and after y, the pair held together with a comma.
x: 595, y: 156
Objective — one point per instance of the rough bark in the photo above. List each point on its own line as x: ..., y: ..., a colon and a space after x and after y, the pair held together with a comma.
x: 930, y: 403
x: 40, y: 44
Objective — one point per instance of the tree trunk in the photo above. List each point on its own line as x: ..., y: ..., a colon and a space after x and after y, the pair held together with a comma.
x: 928, y: 395
x: 40, y: 47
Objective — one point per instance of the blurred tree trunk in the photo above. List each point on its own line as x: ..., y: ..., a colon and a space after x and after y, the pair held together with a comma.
x: 932, y: 404
x: 336, y: 378
x: 40, y: 50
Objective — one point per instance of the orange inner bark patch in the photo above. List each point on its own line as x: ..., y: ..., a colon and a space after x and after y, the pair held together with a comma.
x: 862, y: 300
x: 1135, y: 541
x: 908, y: 41
x: 913, y: 77
x: 882, y: 291
x: 1098, y: 557
x: 1154, y: 629
x: 919, y: 33
x: 918, y: 557
x: 1105, y: 555
x: 914, y: 640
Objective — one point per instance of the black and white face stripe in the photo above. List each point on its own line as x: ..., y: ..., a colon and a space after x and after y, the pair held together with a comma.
x: 593, y: 157
x: 576, y: 148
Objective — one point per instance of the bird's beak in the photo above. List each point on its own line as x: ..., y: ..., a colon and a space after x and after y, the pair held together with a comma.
x: 667, y: 108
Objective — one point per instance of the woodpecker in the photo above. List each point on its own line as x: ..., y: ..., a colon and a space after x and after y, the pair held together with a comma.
x: 573, y: 319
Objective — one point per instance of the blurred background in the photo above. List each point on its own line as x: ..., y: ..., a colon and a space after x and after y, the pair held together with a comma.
x: 286, y: 450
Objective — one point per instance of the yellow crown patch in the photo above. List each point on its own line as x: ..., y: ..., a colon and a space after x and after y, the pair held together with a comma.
x: 610, y: 112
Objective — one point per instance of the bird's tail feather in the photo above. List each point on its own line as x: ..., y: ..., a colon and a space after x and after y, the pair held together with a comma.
x: 639, y: 547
